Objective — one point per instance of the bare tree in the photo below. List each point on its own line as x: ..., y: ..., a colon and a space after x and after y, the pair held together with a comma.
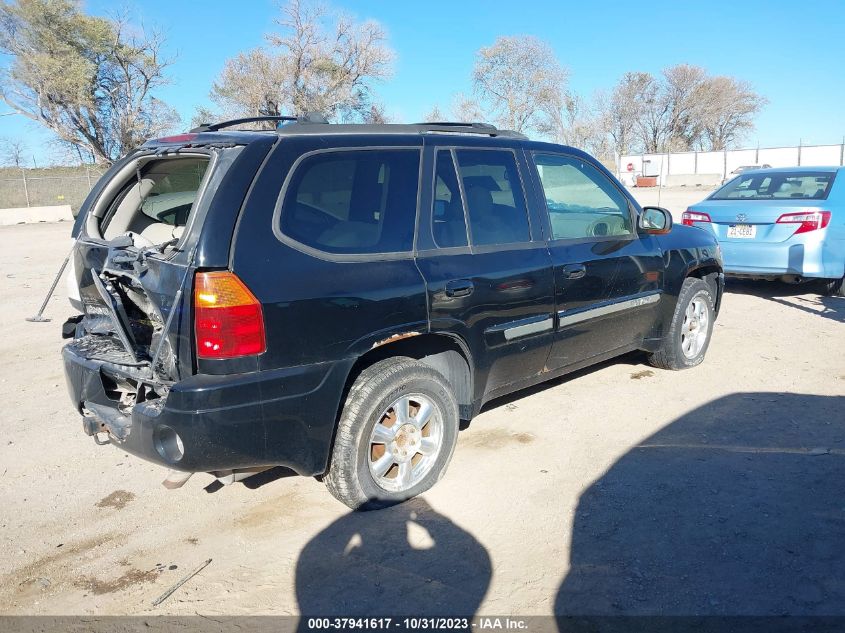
x: 375, y: 114
x: 570, y: 120
x: 516, y: 79
x: 318, y: 62
x: 682, y: 110
x: 728, y: 109
x: 12, y: 152
x: 465, y: 109
x: 683, y: 91
x: 434, y: 115
x: 90, y: 80
x: 620, y: 112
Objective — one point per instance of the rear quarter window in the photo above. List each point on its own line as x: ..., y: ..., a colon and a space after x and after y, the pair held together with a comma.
x: 353, y: 201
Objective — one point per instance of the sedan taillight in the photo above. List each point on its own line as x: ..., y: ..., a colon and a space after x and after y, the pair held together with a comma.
x: 807, y: 221
x: 689, y: 218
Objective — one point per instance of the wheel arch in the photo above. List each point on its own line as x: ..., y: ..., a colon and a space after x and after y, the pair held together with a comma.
x: 445, y: 353
x: 711, y: 274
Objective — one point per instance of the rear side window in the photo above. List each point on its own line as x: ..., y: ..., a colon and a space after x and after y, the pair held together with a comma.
x: 494, y: 198
x: 801, y: 185
x: 361, y: 201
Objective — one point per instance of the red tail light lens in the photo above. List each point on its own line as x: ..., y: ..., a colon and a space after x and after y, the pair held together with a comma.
x: 812, y: 221
x: 689, y: 218
x: 228, y: 321
x: 178, y: 138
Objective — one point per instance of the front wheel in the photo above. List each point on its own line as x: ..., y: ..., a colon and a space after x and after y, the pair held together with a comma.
x: 688, y: 338
x: 396, y: 435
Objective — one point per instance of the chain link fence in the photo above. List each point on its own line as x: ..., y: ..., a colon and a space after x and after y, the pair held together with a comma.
x: 48, y: 186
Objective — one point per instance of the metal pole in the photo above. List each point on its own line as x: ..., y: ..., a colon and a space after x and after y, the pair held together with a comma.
x: 695, y: 163
x: 799, y: 151
x: 842, y: 152
x: 38, y: 318
x: 25, y: 188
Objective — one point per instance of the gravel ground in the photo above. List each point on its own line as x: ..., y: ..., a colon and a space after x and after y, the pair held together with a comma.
x: 619, y: 490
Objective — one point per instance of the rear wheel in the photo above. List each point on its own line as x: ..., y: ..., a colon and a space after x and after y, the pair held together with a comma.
x: 396, y: 435
x: 688, y: 338
x: 833, y: 287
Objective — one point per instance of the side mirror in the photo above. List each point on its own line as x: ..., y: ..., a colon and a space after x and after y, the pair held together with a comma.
x: 655, y: 220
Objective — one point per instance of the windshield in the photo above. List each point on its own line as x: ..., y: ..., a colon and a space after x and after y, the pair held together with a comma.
x: 755, y: 185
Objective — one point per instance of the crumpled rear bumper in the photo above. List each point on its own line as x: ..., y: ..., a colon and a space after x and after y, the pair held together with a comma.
x: 280, y: 417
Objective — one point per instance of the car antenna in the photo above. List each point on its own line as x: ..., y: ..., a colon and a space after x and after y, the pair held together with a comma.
x: 660, y: 181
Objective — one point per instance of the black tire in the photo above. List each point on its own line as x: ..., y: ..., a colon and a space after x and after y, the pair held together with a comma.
x: 671, y: 354
x: 349, y: 478
x: 833, y: 287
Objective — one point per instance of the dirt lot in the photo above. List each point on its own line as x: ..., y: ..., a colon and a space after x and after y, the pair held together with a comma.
x: 619, y: 490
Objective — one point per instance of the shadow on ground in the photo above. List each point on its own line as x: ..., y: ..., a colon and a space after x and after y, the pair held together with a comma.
x: 803, y: 296
x: 737, y: 508
x: 632, y: 359
x: 405, y: 560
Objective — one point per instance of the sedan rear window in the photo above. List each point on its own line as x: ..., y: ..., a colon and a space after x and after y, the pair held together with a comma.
x: 800, y: 185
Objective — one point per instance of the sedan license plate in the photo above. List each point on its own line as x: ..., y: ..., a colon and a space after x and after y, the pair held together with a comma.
x: 742, y: 230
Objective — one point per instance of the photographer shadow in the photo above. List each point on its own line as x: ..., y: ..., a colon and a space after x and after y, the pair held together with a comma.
x: 406, y: 560
x: 736, y: 508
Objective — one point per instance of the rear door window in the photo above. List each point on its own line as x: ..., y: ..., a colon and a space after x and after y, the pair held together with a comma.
x: 356, y: 201
x: 448, y: 221
x: 494, y: 198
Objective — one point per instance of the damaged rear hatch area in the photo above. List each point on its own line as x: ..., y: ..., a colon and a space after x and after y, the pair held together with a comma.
x: 131, y: 278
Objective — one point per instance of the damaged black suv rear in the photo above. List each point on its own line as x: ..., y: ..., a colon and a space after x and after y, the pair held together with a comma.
x: 336, y: 299
x: 152, y: 221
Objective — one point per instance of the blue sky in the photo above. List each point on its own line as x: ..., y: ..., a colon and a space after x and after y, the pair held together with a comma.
x: 791, y: 52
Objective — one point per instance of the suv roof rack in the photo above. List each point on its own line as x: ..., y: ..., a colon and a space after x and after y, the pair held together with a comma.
x: 429, y: 127
x: 466, y: 127
x: 308, y: 117
x: 474, y: 124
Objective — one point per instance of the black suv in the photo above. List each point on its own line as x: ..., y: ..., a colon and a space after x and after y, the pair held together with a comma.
x: 338, y: 298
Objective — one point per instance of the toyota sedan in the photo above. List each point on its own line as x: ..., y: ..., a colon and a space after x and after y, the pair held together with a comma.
x: 780, y: 223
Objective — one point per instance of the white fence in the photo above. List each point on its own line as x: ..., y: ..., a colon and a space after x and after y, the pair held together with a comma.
x: 710, y: 168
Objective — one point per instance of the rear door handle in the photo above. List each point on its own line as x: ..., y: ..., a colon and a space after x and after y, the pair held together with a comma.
x: 574, y: 271
x: 459, y: 288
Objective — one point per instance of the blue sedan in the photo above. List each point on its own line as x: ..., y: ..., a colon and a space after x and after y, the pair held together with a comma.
x: 782, y: 223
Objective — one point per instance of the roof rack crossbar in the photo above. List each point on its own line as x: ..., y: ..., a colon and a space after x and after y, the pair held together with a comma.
x: 472, y: 124
x: 310, y: 117
x: 467, y: 127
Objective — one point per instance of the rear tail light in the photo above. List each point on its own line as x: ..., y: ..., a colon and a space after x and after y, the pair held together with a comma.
x: 807, y: 221
x: 228, y: 321
x: 689, y: 218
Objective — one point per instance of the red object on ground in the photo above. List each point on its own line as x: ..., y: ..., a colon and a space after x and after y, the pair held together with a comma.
x: 646, y: 181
